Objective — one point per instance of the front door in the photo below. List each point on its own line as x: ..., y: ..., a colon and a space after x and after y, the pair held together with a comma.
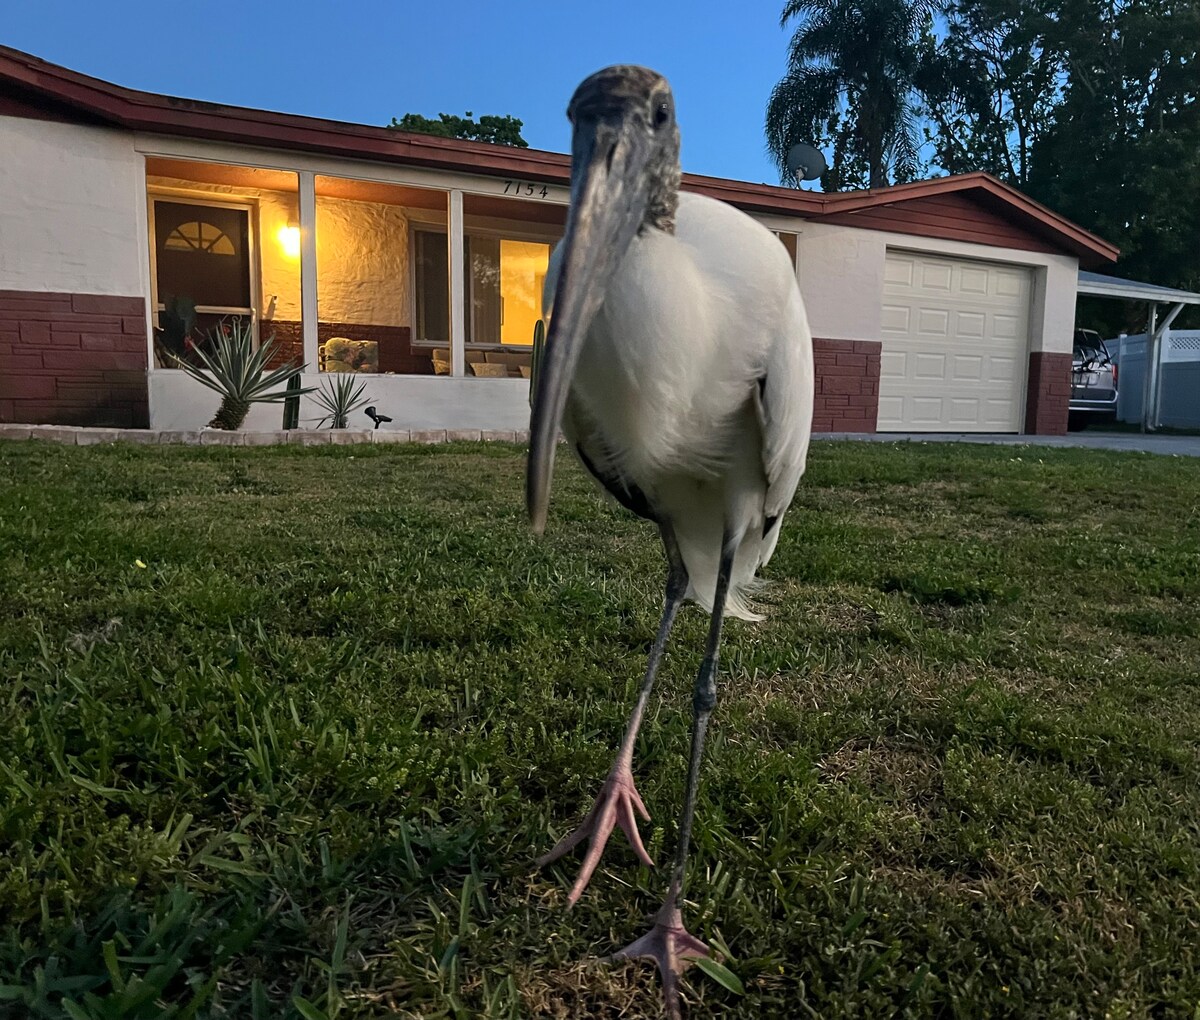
x: 202, y: 253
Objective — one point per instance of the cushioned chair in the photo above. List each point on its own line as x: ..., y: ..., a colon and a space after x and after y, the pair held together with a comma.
x: 341, y: 354
x: 487, y: 371
x: 513, y: 361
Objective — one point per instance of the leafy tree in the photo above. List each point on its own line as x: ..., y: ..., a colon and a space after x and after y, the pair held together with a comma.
x: 849, y: 85
x: 1121, y: 155
x: 497, y: 130
x: 989, y: 85
x: 1090, y: 106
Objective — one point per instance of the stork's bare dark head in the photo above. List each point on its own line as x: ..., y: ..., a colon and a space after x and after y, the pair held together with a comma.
x: 624, y: 182
x: 636, y: 99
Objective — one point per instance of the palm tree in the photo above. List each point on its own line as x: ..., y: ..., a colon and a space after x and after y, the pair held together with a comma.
x: 849, y: 82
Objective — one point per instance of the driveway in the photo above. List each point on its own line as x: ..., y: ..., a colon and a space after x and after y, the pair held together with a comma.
x: 1180, y: 446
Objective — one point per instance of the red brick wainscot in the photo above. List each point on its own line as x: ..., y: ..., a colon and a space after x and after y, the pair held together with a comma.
x: 1047, y: 405
x: 73, y: 359
x: 847, y: 385
x: 396, y: 353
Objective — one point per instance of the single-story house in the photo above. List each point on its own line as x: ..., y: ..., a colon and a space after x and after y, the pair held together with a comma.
x: 941, y: 305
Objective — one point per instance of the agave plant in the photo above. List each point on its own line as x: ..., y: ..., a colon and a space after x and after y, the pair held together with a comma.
x: 239, y: 373
x: 340, y: 393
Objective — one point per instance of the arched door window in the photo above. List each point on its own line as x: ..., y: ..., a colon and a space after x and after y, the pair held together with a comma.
x: 201, y: 236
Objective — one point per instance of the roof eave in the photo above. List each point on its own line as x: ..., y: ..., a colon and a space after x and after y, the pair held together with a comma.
x: 141, y: 111
x: 1089, y: 248
x: 167, y: 115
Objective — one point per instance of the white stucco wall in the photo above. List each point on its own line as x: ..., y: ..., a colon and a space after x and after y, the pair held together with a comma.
x: 413, y: 401
x: 841, y: 278
x: 362, y: 263
x: 69, y: 209
x: 1053, y: 324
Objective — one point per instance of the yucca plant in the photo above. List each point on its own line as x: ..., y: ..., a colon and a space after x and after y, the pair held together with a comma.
x: 340, y: 393
x: 239, y: 373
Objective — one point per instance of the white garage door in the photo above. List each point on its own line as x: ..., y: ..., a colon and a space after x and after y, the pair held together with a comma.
x: 955, y: 345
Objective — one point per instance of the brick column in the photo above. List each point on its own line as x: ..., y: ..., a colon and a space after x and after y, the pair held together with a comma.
x: 847, y: 385
x: 1048, y: 401
x: 73, y: 359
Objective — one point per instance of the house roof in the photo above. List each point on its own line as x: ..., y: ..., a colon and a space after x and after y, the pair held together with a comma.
x: 993, y: 195
x: 36, y: 85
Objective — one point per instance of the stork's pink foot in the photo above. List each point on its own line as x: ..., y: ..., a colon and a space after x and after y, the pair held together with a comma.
x: 669, y: 945
x: 615, y: 805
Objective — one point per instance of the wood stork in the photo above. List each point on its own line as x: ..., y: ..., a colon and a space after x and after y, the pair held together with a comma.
x: 679, y: 365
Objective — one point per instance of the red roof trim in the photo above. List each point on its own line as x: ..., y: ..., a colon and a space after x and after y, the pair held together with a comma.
x: 1027, y: 211
x: 147, y: 111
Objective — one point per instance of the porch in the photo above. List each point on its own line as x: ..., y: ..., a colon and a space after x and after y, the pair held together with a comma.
x: 431, y: 294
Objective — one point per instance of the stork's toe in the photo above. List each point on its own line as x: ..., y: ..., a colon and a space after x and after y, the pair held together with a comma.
x: 617, y: 804
x: 670, y: 945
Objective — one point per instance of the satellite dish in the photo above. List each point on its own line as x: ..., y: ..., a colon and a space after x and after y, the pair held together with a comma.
x: 807, y: 162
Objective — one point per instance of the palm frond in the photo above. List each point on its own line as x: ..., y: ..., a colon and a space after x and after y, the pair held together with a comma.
x: 807, y: 9
x: 856, y: 62
x: 800, y: 107
x: 902, y: 150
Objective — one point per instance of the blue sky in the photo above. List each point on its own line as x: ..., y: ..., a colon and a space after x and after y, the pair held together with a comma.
x: 367, y: 61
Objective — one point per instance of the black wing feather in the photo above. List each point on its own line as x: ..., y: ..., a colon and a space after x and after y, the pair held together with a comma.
x: 629, y: 496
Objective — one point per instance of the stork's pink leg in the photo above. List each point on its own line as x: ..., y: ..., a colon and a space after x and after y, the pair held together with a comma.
x: 668, y: 943
x: 618, y: 802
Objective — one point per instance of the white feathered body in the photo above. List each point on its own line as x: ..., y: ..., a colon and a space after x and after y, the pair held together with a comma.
x: 695, y: 386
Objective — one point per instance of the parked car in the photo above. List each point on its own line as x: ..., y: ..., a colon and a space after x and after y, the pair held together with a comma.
x: 1093, y: 380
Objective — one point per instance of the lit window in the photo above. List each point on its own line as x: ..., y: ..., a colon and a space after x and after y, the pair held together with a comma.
x: 504, y: 280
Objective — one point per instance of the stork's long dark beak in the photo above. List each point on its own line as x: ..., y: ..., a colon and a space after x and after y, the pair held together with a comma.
x: 609, y: 193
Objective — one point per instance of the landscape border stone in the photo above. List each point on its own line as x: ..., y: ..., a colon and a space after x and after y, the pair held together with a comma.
x: 74, y: 435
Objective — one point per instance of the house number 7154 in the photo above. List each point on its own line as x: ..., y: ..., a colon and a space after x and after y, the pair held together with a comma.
x: 526, y: 189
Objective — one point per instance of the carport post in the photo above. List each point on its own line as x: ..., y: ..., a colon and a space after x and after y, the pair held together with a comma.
x: 1152, y: 390
x: 1147, y: 372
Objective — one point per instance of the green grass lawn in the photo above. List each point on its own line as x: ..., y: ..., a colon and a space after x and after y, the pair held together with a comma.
x: 282, y: 730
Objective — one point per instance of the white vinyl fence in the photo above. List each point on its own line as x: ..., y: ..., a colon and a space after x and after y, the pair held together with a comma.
x: 1180, y: 378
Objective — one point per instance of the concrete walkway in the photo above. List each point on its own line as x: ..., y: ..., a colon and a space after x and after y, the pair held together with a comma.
x: 1180, y: 446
